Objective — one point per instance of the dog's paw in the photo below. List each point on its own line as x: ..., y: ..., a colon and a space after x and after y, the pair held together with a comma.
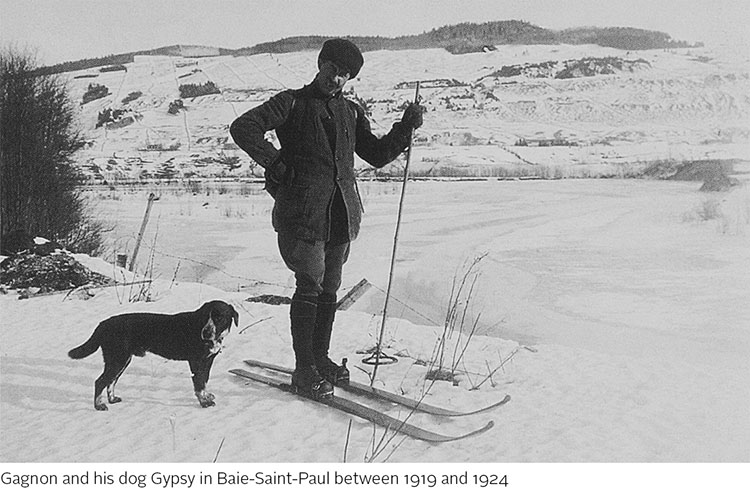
x: 207, y: 403
x: 206, y: 399
x: 115, y: 400
x: 101, y: 407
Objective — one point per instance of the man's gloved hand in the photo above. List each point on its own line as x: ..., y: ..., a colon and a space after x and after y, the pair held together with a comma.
x: 275, y: 173
x: 413, y: 115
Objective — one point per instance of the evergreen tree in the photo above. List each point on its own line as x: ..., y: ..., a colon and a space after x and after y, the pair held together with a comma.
x: 38, y: 138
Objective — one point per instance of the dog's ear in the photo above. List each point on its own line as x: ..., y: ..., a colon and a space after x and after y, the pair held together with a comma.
x: 225, y: 313
x: 208, y: 333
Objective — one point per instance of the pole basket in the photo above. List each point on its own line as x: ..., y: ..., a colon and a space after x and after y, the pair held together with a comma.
x: 379, y: 358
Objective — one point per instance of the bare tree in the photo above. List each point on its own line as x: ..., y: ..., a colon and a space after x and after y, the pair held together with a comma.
x: 38, y: 138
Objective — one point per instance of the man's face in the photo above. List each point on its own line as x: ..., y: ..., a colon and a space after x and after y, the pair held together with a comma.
x: 331, y: 77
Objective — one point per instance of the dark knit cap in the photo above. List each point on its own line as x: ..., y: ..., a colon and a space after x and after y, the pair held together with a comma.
x: 342, y: 52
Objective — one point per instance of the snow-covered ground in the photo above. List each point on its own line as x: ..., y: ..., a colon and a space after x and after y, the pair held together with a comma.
x: 633, y: 309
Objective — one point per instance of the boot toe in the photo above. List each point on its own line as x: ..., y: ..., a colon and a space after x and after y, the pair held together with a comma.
x: 310, y: 383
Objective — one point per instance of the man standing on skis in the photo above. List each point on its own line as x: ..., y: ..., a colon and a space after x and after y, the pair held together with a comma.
x: 317, y: 210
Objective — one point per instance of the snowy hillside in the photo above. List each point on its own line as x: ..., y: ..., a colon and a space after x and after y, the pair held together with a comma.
x: 557, y: 110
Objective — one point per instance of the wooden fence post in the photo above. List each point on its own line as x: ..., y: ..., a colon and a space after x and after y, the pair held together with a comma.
x: 151, y: 198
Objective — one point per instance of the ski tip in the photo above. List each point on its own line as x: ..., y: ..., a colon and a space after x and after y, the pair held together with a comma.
x: 490, y: 424
x: 503, y: 401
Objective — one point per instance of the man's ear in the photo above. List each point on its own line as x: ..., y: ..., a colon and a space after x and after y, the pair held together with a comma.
x: 209, y: 330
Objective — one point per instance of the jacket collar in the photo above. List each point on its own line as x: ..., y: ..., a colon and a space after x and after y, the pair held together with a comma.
x: 312, y: 90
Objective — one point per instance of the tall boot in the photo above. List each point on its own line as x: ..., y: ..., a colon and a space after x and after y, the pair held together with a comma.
x: 306, y: 378
x: 336, y: 374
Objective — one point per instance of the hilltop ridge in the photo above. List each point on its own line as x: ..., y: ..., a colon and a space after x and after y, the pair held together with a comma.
x: 466, y: 37
x: 457, y: 39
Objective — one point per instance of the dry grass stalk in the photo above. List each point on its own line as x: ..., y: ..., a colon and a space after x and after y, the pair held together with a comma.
x: 462, y: 291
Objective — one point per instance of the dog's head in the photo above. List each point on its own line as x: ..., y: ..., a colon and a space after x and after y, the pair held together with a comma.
x: 218, y: 316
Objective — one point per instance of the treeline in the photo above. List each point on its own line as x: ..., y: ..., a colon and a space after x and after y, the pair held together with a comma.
x: 483, y: 35
x: 496, y: 33
x: 109, y: 61
x: 115, y: 61
x: 197, y: 90
x: 621, y: 38
x: 458, y: 38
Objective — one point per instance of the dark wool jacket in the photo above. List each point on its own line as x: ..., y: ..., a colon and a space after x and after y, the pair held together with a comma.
x: 319, y: 136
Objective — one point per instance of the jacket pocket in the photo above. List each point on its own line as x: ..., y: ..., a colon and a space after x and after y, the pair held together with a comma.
x: 292, y: 202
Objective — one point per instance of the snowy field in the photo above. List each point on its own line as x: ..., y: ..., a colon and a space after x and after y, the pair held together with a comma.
x: 613, y: 312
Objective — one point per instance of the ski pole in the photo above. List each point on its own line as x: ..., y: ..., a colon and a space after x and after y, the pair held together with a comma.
x: 378, y: 354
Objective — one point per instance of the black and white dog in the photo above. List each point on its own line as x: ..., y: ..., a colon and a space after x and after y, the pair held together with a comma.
x: 192, y: 336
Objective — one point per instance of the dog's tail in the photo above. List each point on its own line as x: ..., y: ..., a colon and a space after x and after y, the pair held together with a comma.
x: 91, y: 346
